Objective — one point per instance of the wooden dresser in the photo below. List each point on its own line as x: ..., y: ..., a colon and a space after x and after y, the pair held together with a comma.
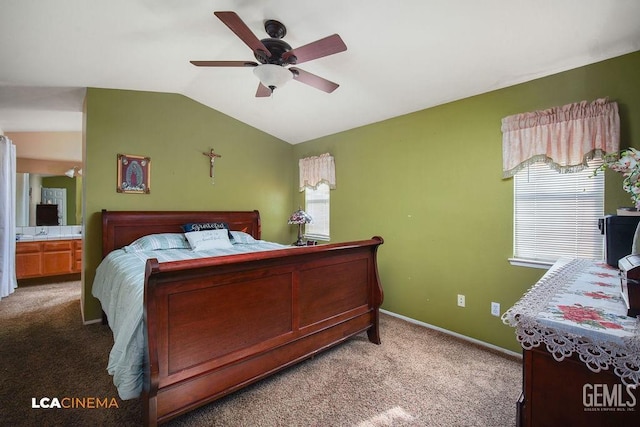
x: 48, y: 258
x: 580, y: 360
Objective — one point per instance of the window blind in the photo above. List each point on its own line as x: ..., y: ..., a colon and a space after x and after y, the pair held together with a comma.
x: 317, y: 206
x: 556, y: 214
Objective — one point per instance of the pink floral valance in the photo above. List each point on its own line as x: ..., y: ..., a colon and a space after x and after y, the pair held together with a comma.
x: 316, y: 170
x: 566, y: 137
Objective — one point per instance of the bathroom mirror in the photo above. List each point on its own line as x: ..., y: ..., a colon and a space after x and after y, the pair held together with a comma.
x: 29, y: 194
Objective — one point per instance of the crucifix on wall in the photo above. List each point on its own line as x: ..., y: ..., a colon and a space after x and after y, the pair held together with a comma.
x: 212, y: 158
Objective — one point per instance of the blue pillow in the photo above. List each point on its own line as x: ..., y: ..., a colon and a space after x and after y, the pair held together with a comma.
x: 156, y: 242
x: 202, y: 226
x: 240, y: 237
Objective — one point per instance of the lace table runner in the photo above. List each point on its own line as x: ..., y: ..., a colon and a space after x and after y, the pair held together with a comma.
x: 577, y: 307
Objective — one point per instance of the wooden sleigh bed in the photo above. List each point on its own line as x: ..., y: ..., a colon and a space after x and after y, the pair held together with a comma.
x: 214, y: 325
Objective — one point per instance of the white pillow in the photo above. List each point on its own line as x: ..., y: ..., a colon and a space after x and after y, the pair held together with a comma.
x: 208, y: 239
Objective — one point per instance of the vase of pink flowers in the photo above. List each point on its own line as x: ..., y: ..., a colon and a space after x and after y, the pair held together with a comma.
x: 627, y: 162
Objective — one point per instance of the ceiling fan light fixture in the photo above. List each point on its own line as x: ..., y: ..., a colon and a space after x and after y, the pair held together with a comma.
x: 272, y: 76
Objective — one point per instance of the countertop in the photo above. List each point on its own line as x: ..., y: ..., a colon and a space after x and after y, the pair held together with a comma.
x: 45, y: 237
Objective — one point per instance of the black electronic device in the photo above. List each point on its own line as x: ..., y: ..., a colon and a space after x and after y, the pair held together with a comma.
x: 618, y: 231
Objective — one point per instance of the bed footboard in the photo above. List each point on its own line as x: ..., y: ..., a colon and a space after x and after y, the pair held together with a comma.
x: 216, y: 325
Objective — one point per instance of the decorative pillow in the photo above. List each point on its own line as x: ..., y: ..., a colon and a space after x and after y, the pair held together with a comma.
x: 208, y: 239
x: 240, y: 237
x: 156, y: 242
x: 201, y: 226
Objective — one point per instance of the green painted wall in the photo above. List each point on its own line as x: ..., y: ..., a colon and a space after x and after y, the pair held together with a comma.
x: 430, y: 184
x: 78, y: 201
x: 255, y: 170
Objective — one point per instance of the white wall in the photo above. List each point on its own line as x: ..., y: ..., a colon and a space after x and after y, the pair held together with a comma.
x: 35, y: 182
x: 53, y: 146
x: 22, y: 199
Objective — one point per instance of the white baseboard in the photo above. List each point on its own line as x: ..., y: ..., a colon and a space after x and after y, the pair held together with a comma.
x: 89, y: 322
x: 455, y: 334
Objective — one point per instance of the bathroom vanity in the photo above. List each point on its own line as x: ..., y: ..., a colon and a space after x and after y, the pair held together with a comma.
x: 43, y: 255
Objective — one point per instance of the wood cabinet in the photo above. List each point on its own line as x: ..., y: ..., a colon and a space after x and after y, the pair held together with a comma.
x: 576, y: 311
x: 568, y: 393
x: 48, y: 258
x: 28, y: 259
x: 77, y: 256
x: 47, y: 215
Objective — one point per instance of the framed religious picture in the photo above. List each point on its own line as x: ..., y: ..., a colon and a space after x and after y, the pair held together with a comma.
x: 134, y: 174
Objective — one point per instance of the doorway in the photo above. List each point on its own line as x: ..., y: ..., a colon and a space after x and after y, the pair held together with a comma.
x: 56, y: 196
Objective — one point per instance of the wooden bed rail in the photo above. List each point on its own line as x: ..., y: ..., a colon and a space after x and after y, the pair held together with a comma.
x: 215, y: 325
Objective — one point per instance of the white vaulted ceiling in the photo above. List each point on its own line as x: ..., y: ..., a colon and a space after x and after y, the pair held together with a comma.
x: 401, y: 56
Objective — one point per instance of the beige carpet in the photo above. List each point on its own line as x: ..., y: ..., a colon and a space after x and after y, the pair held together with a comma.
x: 417, y: 377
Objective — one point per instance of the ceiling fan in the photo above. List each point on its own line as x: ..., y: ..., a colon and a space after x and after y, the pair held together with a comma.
x: 275, y: 56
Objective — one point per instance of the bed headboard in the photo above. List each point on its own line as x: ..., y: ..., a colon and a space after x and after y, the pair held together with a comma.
x: 120, y: 228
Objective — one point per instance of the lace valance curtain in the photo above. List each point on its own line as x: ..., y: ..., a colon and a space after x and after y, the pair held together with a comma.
x: 566, y: 137
x: 316, y: 170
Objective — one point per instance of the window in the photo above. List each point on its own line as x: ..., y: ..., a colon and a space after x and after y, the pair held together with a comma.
x: 556, y: 214
x: 316, y: 204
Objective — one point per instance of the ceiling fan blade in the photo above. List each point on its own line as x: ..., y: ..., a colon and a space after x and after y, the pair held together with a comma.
x: 237, y: 25
x: 313, y: 80
x: 263, y: 91
x: 224, y: 63
x: 317, y: 49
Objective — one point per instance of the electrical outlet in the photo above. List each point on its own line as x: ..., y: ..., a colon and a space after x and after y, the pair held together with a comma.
x: 495, y: 308
x: 460, y: 300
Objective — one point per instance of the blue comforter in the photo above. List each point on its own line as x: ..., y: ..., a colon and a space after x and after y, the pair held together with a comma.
x: 119, y: 285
